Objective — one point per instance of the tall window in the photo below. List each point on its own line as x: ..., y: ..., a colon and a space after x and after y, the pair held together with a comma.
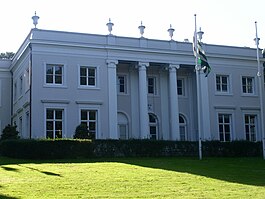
x: 87, y: 76
x: 27, y: 79
x: 224, y: 122
x: 222, y: 83
x: 15, y: 91
x: 182, y: 128
x: 20, y: 85
x: 180, y: 87
x: 121, y: 84
x: 248, y: 85
x: 89, y: 118
x: 250, y: 127
x: 153, y: 127
x: 54, y: 74
x: 151, y: 83
x: 54, y: 123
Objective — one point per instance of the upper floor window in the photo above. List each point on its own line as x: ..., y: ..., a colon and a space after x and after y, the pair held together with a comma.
x: 222, y: 83
x: 180, y: 87
x: 248, y: 85
x: 122, y: 84
x: 151, y: 85
x: 87, y: 76
x: 20, y: 85
x: 54, y: 74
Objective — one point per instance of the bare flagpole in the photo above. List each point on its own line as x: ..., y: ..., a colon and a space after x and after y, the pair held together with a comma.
x: 197, y: 69
x: 259, y: 74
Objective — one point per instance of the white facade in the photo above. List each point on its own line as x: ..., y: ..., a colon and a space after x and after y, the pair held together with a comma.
x: 128, y: 88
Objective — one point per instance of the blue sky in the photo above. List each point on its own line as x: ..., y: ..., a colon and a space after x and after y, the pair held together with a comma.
x: 226, y: 22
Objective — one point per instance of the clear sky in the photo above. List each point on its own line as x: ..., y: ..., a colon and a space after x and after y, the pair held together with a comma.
x: 224, y: 22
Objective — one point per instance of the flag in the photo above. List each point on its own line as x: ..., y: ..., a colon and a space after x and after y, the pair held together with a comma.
x: 202, y: 59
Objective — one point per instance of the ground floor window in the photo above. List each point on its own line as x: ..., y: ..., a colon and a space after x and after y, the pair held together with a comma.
x: 250, y: 127
x: 224, y: 123
x: 153, y: 127
x: 182, y: 128
x: 89, y: 118
x: 54, y: 123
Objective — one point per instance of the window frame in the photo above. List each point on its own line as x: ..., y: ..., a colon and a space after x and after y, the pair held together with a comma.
x: 249, y: 124
x: 63, y: 76
x: 125, y: 84
x: 182, y: 87
x: 223, y: 125
x: 253, y: 85
x: 155, y: 87
x: 87, y: 86
x: 222, y: 91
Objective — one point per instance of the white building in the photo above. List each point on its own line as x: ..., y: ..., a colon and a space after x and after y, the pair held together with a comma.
x: 128, y: 88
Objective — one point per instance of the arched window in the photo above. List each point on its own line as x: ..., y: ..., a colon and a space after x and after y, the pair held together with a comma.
x: 153, y: 126
x: 182, y: 128
x: 123, y: 126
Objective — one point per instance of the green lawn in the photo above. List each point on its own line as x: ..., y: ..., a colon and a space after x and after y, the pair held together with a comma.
x: 134, y: 178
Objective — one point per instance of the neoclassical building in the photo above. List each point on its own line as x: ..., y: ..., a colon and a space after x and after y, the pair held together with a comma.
x: 129, y: 88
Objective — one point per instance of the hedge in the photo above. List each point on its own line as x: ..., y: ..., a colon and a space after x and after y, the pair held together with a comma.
x: 72, y: 148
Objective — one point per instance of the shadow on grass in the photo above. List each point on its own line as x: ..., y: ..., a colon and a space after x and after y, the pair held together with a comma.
x: 6, y: 197
x: 249, y: 171
x: 40, y: 171
x: 9, y: 168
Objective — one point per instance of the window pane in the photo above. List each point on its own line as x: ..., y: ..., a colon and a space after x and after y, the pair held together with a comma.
x: 83, y: 81
x: 49, y: 114
x: 58, y: 134
x: 91, y: 72
x: 58, y: 79
x: 92, y: 126
x: 91, y: 81
x: 58, y: 114
x: 49, y: 70
x: 49, y: 125
x: 58, y: 70
x: 49, y: 79
x: 83, y: 72
x: 92, y: 115
x: 83, y: 115
x: 49, y: 134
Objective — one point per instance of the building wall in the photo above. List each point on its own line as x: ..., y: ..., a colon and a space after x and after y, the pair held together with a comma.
x: 5, y: 94
x: 72, y: 50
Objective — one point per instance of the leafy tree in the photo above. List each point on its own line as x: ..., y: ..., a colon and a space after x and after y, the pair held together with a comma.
x: 81, y: 132
x: 10, y: 132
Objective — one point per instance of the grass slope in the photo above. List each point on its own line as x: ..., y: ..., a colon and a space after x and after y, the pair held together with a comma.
x: 133, y: 178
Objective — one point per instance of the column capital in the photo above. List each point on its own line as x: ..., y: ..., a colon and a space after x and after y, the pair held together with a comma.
x: 112, y: 61
x: 173, y: 66
x: 143, y: 64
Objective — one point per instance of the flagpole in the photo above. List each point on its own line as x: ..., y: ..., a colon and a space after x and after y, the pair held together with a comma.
x: 197, y: 69
x: 259, y: 74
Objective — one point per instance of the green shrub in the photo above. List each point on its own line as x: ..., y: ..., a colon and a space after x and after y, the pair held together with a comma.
x: 82, y: 132
x: 77, y: 148
x: 10, y: 132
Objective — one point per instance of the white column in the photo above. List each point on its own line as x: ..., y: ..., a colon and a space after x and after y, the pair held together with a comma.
x: 143, y: 109
x: 173, y: 103
x: 112, y: 94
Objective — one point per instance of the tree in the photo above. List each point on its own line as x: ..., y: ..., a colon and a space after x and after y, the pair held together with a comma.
x: 81, y: 132
x: 10, y: 132
x: 7, y: 55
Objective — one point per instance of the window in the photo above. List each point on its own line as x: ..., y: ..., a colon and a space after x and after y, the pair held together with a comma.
x: 224, y: 122
x: 15, y: 90
x: 121, y: 84
x: 87, y: 76
x: 153, y: 128
x: 20, y: 85
x: 248, y: 85
x: 151, y: 83
x: 27, y: 79
x: 182, y: 128
x: 180, y: 87
x: 89, y: 118
x: 222, y: 83
x: 250, y: 127
x: 54, y: 74
x: 54, y: 123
